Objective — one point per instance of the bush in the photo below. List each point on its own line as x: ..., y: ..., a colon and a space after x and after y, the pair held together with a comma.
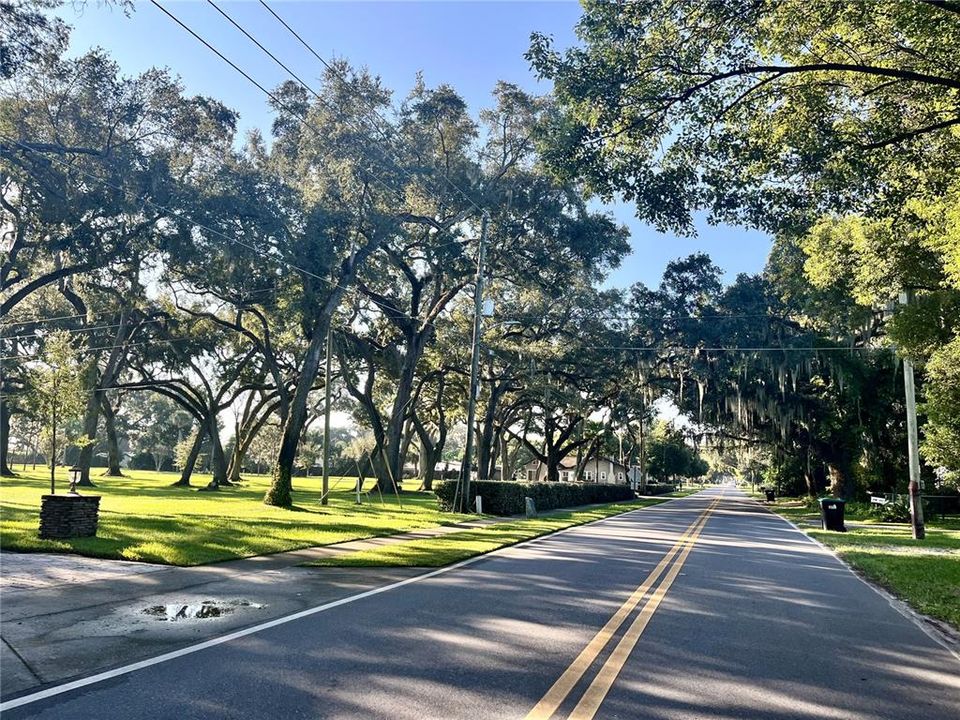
x: 891, y: 512
x: 658, y: 488
x: 507, y: 498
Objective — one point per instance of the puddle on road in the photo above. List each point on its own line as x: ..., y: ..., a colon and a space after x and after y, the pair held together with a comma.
x: 204, y: 610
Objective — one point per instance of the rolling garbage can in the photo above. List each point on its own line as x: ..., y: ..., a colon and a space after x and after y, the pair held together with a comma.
x: 770, y: 495
x: 831, y: 514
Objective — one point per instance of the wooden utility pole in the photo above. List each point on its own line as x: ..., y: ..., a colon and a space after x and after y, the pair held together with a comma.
x: 916, y: 504
x: 326, y: 421
x: 465, y: 469
x: 53, y: 439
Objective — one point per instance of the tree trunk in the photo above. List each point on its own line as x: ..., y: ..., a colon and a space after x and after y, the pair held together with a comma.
x: 113, y: 446
x: 405, y: 446
x: 430, y: 456
x: 218, y: 460
x: 553, y: 463
x: 95, y: 381
x: 841, y: 481
x: 506, y: 466
x: 5, y: 469
x: 191, y: 462
x: 486, y: 459
x: 236, y: 457
x: 279, y: 492
x: 91, y: 418
x: 392, y: 449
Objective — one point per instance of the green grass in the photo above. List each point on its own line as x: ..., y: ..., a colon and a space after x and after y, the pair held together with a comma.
x: 803, y: 510
x: 923, y: 573
x: 143, y: 518
x: 454, y: 547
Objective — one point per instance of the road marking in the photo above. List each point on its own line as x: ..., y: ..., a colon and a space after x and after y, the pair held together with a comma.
x: 555, y: 696
x: 190, y: 649
x: 595, y: 694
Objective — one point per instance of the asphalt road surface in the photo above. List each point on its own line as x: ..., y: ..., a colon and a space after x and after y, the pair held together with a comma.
x: 705, y: 607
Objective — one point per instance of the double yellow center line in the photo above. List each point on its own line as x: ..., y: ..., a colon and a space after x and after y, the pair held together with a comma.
x: 602, y: 682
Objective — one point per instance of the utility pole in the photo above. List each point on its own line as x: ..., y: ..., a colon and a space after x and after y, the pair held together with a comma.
x: 53, y: 438
x: 474, y: 366
x: 326, y: 421
x: 916, y: 505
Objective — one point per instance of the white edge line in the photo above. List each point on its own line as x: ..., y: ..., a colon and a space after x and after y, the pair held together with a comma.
x: 896, y: 603
x: 213, y: 642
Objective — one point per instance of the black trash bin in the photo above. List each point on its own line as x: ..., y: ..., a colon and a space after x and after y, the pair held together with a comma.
x: 831, y: 514
x: 770, y: 495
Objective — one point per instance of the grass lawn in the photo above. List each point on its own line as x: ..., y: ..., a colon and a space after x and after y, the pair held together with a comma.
x: 923, y: 573
x: 454, y: 547
x: 686, y: 491
x: 143, y: 518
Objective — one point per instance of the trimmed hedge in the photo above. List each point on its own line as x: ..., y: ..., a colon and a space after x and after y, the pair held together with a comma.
x: 658, y: 489
x: 507, y: 498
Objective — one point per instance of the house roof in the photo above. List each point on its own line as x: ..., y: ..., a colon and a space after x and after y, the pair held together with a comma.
x: 570, y: 462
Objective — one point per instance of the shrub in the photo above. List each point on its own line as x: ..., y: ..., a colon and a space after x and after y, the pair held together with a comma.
x: 507, y: 498
x: 891, y: 512
x: 658, y: 488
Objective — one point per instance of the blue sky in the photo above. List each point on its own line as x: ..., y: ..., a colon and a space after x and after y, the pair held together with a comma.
x: 469, y: 45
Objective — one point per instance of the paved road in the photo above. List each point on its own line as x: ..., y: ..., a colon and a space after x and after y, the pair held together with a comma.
x: 744, y: 618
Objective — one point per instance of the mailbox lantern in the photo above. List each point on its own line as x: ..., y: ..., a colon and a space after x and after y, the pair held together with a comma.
x: 74, y: 474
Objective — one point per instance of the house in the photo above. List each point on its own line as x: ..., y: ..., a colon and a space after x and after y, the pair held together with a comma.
x: 596, y: 470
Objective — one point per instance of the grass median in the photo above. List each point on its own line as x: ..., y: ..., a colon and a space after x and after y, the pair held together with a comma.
x: 454, y: 547
x: 143, y: 518
x: 923, y: 573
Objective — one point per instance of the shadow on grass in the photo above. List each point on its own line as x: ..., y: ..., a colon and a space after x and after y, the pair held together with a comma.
x: 184, y: 540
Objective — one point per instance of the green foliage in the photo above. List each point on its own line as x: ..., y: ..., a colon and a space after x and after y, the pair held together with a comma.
x: 941, y: 440
x: 659, y: 488
x: 57, y: 394
x: 785, y: 474
x: 893, y: 512
x: 31, y: 36
x: 833, y: 126
x: 766, y: 114
x: 508, y: 498
x: 669, y: 456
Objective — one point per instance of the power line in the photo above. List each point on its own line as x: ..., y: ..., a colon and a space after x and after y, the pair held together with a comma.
x: 300, y: 117
x: 395, y: 160
x: 346, y: 84
x: 784, y: 348
x: 40, y: 319
x: 108, y: 347
x: 77, y: 330
x: 261, y: 253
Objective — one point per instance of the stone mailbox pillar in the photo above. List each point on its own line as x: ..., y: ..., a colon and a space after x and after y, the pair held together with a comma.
x: 69, y: 516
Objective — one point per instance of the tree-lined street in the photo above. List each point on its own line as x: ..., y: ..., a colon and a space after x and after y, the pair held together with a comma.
x: 738, y: 634
x: 472, y: 359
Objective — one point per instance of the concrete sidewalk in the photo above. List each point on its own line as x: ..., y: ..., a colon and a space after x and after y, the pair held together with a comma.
x: 68, y: 615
